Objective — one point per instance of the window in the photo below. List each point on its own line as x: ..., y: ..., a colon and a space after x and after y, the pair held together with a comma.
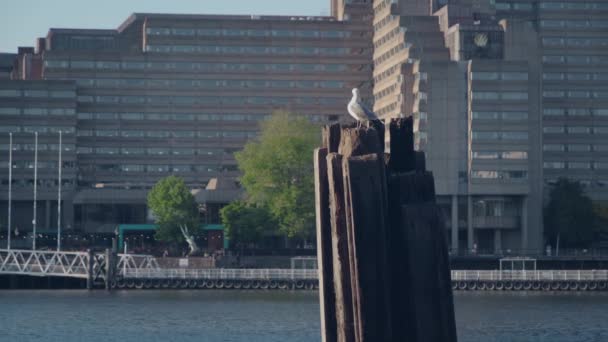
x: 514, y: 96
x: 485, y: 155
x: 600, y: 112
x: 157, y: 168
x: 514, y: 155
x: 484, y: 76
x: 553, y: 129
x: 579, y: 165
x: 578, y: 112
x: 579, y: 148
x: 554, y: 111
x: 10, y: 111
x: 158, y: 151
x: 132, y: 168
x: 132, y: 116
x: 485, y: 96
x: 600, y: 130
x: 183, y: 151
x: 553, y: 94
x: 63, y: 93
x: 553, y: 76
x: 133, y: 150
x: 132, y: 134
x: 515, y: 135
x: 106, y: 133
x: 34, y: 111
x: 84, y: 150
x: 485, y: 135
x: 82, y: 64
x: 158, y: 134
x: 107, y: 150
x: 181, y: 168
x: 600, y: 165
x: 133, y: 65
x: 514, y: 115
x: 35, y: 93
x: 579, y: 130
x: 184, y: 134
x: 554, y: 165
x: 515, y: 76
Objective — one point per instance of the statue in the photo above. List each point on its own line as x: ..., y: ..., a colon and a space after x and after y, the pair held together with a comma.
x: 190, y: 240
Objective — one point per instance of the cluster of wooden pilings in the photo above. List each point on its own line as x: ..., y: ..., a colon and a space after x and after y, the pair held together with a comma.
x: 383, y: 260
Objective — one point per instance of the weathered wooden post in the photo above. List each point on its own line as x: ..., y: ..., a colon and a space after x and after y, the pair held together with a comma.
x: 389, y: 261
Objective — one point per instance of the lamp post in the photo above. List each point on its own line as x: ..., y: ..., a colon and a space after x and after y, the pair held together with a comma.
x: 59, y: 197
x: 35, y: 188
x: 10, y: 188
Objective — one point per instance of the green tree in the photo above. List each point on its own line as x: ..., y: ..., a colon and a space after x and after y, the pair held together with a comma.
x: 569, y: 216
x: 245, y: 224
x: 174, y: 208
x: 278, y: 172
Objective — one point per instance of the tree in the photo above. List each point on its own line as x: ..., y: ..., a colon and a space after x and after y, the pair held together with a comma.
x: 245, y: 224
x: 175, y: 210
x: 569, y: 215
x: 278, y: 172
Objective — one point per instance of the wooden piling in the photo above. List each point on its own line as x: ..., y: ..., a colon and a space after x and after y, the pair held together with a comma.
x: 391, y: 276
x: 324, y: 249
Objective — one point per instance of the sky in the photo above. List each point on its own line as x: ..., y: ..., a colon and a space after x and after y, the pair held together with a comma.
x: 22, y: 21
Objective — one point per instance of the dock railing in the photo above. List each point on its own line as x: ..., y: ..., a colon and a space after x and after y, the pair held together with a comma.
x: 538, y: 275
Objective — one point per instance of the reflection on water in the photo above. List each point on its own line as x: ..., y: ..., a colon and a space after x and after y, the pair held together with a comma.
x: 68, y: 316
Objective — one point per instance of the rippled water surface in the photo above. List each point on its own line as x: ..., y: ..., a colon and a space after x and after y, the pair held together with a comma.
x: 149, y: 316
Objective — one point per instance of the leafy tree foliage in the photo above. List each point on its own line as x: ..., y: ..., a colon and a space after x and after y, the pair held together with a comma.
x: 173, y: 206
x: 245, y: 224
x: 278, y: 172
x: 569, y: 215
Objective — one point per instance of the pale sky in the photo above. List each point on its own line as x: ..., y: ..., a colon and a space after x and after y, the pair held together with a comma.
x: 22, y: 21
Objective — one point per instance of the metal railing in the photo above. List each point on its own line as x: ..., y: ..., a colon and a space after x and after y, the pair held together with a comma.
x: 538, y: 275
x: 220, y: 273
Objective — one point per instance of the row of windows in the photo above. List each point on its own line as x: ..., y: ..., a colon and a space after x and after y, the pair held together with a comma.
x: 61, y: 94
x: 390, y: 72
x: 504, y: 175
x: 41, y: 147
x: 207, y: 100
x: 520, y: 6
x: 575, y: 59
x: 574, y: 5
x: 507, y: 95
x: 36, y: 111
x: 500, y: 115
x: 574, y: 148
x: 575, y: 165
x: 506, y: 76
x: 382, y: 5
x: 42, y: 183
x: 575, y: 111
x: 192, y: 117
x: 390, y: 90
x: 575, y: 129
x: 280, y: 50
x: 108, y: 133
x: 582, y: 24
x: 385, y: 21
x: 165, y: 83
x: 196, y: 66
x: 214, y: 32
x: 580, y: 94
x: 38, y: 129
x: 154, y: 151
x: 25, y: 164
x: 575, y: 76
x: 513, y: 135
x: 500, y: 155
x: 154, y: 168
x: 389, y: 36
x: 390, y: 53
x: 574, y: 42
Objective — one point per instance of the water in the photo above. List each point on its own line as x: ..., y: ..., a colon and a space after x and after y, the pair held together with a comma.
x: 151, y: 316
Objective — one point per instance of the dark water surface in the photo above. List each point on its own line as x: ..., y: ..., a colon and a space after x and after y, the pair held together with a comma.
x: 211, y: 315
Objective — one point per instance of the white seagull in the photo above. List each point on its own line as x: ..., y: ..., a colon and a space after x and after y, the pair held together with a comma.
x: 357, y: 110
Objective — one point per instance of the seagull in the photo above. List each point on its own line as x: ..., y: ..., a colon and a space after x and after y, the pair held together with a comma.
x: 357, y: 110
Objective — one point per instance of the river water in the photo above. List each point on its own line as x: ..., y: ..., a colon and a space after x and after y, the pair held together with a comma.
x: 210, y: 315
